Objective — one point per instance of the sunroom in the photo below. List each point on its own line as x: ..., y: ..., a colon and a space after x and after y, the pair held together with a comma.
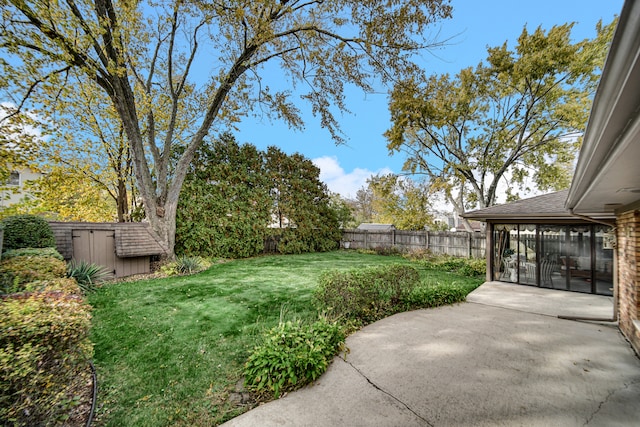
x: 537, y: 242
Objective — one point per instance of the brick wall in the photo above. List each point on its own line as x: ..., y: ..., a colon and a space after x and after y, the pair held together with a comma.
x: 628, y: 238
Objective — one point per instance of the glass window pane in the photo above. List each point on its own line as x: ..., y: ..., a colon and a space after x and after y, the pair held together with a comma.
x: 604, y: 259
x: 552, y: 251
x: 527, y: 254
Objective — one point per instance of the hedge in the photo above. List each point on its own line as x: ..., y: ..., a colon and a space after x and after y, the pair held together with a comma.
x: 44, y: 348
x: 367, y: 294
x: 27, y: 231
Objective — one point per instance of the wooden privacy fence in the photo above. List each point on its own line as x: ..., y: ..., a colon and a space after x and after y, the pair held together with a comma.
x: 458, y: 243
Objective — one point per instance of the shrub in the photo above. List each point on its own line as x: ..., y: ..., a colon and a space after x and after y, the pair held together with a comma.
x: 292, y: 355
x: 426, y: 296
x: 185, y: 265
x: 65, y: 284
x: 86, y: 274
x: 16, y: 271
x: 27, y: 231
x: 44, y: 350
x: 366, y: 295
x: 50, y: 252
x: 470, y: 267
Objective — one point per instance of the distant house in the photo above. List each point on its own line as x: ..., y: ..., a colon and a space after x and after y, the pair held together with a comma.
x: 586, y: 238
x: 13, y: 190
x: 376, y: 227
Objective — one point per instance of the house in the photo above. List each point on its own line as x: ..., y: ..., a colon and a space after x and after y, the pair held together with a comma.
x: 586, y: 238
x: 13, y: 190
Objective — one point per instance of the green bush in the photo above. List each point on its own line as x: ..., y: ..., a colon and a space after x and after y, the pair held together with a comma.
x: 185, y: 265
x: 434, y: 296
x: 368, y: 294
x: 469, y: 267
x: 64, y: 284
x: 17, y: 271
x: 44, y: 352
x: 27, y: 231
x: 292, y: 355
x: 50, y: 252
x: 86, y: 274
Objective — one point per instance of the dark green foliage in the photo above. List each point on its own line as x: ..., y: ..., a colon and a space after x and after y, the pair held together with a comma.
x: 234, y: 193
x: 224, y: 207
x: 50, y: 252
x: 86, y: 274
x: 435, y: 296
x: 44, y: 351
x: 27, y: 231
x: 292, y: 355
x: 17, y: 271
x: 368, y: 294
x: 469, y: 267
x: 301, y: 203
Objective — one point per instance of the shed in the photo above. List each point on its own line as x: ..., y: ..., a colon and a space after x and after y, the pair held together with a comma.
x: 124, y: 249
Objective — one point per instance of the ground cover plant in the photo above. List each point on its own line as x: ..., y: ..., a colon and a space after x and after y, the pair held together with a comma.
x: 171, y: 351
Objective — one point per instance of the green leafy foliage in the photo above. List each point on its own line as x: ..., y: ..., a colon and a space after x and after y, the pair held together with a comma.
x: 87, y: 274
x: 368, y: 294
x: 301, y: 204
x: 292, y: 355
x: 234, y: 193
x: 469, y: 267
x: 44, y: 349
x: 185, y: 265
x: 27, y: 231
x: 224, y: 207
x: 516, y: 116
x: 17, y: 271
x: 426, y: 296
x: 400, y: 201
x: 50, y: 252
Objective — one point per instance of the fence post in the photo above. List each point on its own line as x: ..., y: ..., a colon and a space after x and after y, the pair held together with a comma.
x: 393, y: 238
x: 426, y: 240
x: 470, y: 244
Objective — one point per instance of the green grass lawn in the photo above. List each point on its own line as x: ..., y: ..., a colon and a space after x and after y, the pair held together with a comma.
x: 169, y: 351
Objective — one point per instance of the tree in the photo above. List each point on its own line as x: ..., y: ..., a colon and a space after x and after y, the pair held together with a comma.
x: 225, y: 206
x: 173, y: 71
x: 401, y: 201
x: 343, y: 211
x: 19, y: 141
x: 517, y: 116
x: 301, y: 204
x: 363, y: 205
x: 89, y: 143
x: 65, y: 194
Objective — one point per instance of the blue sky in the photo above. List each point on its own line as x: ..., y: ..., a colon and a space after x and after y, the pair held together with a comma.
x: 474, y: 26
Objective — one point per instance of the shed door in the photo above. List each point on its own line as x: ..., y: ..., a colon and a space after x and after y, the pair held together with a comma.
x: 97, y: 247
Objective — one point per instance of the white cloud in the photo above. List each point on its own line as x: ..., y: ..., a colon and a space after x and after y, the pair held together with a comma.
x: 341, y: 182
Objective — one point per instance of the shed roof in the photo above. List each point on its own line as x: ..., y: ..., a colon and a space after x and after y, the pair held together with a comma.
x: 376, y: 227
x: 136, y: 239
x: 547, y: 206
